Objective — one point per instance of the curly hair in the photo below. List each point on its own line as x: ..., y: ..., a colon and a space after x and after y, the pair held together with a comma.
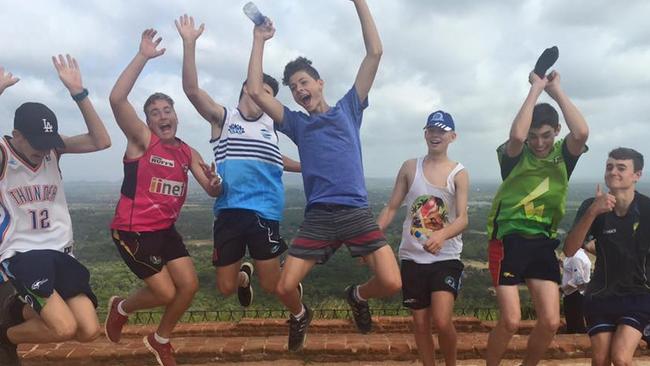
x: 299, y: 64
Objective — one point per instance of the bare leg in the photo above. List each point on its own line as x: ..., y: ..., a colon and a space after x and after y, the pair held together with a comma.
x: 624, y: 343
x: 88, y: 328
x: 509, y: 318
x: 423, y: 336
x: 268, y: 273
x: 56, y: 323
x: 386, y: 280
x: 295, y: 269
x: 600, y: 347
x: 228, y: 278
x: 442, y: 310
x: 546, y: 298
x: 184, y: 279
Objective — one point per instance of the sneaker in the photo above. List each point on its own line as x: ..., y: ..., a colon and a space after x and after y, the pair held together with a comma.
x: 245, y: 294
x: 9, y: 354
x: 298, y: 330
x: 546, y: 60
x: 114, y: 320
x: 164, y: 352
x: 360, y: 311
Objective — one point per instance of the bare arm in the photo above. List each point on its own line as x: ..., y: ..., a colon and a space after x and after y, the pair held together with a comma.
x: 291, y: 165
x: 521, y: 124
x: 579, y: 131
x: 97, y: 137
x: 437, y: 239
x: 6, y: 80
x: 137, y: 133
x: 210, y: 110
x: 255, y: 81
x: 374, y: 50
x: 400, y: 190
x: 590, y: 247
x: 205, y: 175
x: 604, y: 202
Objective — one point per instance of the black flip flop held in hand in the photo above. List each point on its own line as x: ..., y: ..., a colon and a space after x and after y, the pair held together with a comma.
x: 546, y: 60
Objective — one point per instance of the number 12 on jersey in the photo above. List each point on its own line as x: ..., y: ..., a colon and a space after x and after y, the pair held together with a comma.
x: 40, y: 219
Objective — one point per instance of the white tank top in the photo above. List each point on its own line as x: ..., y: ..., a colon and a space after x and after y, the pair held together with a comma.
x: 428, y: 209
x: 33, y: 210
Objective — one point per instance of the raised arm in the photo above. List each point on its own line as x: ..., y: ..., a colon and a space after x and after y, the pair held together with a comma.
x: 400, y: 190
x: 205, y: 175
x: 604, y: 202
x: 374, y: 50
x: 523, y: 119
x: 291, y: 165
x: 255, y: 81
x: 210, y: 110
x: 137, y: 133
x: 97, y: 137
x: 579, y: 131
x: 437, y: 239
x: 6, y: 80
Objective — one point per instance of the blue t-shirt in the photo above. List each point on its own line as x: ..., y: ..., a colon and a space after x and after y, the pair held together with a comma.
x: 330, y: 151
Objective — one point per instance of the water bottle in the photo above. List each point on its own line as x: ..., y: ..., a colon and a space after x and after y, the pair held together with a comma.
x: 421, y: 237
x: 252, y: 12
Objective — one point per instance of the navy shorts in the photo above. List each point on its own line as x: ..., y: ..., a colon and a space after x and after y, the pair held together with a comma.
x: 328, y: 226
x: 146, y: 253
x: 235, y: 230
x: 420, y: 280
x: 516, y: 258
x: 37, y: 273
x: 606, y: 314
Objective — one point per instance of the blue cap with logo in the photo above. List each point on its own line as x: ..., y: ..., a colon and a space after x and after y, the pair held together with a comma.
x: 440, y: 119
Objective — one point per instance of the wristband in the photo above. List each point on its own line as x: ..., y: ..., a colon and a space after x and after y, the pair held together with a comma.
x: 81, y: 96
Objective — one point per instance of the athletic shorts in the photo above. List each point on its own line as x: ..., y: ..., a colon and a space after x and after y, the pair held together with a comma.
x: 37, y: 273
x: 327, y: 226
x: 146, y: 253
x: 606, y: 314
x: 420, y: 280
x: 516, y: 259
x: 234, y: 230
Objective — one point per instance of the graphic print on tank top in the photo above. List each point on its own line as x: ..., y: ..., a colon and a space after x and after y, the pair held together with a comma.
x: 429, y: 214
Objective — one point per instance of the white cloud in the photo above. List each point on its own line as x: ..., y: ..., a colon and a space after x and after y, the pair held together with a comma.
x: 468, y: 58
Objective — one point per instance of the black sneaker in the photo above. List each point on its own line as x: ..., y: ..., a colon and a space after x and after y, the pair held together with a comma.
x: 360, y: 311
x: 245, y: 294
x: 298, y: 330
x: 546, y: 60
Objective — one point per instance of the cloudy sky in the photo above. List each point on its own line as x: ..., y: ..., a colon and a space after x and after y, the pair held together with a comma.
x: 470, y: 58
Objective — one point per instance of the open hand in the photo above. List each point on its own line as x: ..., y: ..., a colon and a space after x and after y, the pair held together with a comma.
x: 148, y: 46
x: 185, y: 26
x: 211, y: 173
x: 69, y: 73
x: 6, y: 80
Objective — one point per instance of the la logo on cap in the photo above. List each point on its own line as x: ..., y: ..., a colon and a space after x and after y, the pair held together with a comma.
x: 437, y: 117
x: 47, y: 126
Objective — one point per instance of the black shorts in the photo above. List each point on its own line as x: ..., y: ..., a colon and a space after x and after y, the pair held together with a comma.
x: 37, y: 273
x: 236, y: 229
x: 146, y: 253
x: 328, y: 226
x: 515, y: 259
x: 420, y: 280
x: 606, y: 314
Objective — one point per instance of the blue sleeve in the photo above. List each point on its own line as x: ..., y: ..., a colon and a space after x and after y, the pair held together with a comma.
x: 354, y: 106
x: 288, y: 125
